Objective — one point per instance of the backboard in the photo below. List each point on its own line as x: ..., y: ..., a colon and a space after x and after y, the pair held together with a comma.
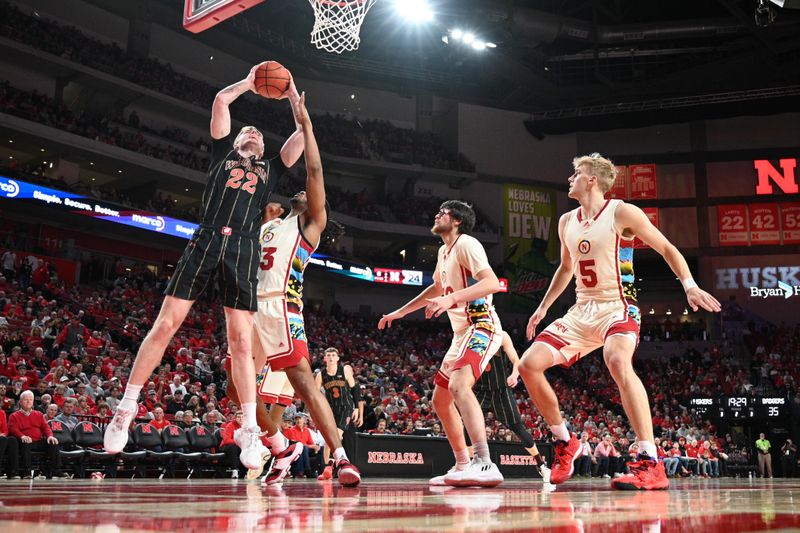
x: 199, y: 15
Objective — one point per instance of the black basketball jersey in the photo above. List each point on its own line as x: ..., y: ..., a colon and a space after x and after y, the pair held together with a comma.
x: 496, y: 373
x: 337, y: 391
x: 238, y: 188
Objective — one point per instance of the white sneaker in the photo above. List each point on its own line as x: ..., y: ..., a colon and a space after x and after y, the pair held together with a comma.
x: 475, y: 475
x: 438, y: 481
x: 545, y: 473
x: 116, y: 436
x: 249, y: 440
x: 255, y: 473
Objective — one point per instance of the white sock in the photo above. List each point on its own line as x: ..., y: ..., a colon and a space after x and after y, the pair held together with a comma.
x: 249, y: 410
x: 481, y: 450
x: 278, y: 443
x: 130, y: 400
x: 462, y: 457
x: 649, y: 448
x: 560, y: 431
x: 339, y: 454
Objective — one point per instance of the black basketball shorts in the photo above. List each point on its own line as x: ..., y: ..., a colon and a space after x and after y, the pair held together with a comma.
x: 502, y: 403
x: 233, y: 256
x: 341, y: 416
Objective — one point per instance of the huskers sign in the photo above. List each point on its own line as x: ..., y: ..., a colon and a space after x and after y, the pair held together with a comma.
x: 530, y: 240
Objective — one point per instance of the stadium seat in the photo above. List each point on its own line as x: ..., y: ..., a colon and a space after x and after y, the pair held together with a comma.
x: 133, y: 457
x: 148, y: 438
x: 67, y: 451
x: 175, y: 440
x: 89, y: 436
x: 204, y: 441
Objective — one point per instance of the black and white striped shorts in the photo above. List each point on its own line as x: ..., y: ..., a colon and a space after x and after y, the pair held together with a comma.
x: 232, y: 255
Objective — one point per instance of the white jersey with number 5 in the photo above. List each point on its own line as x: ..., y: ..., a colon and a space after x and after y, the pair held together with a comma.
x: 455, y: 269
x: 284, y: 255
x: 602, y: 259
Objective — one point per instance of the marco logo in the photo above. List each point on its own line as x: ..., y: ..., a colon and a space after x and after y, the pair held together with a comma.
x: 9, y: 188
x: 783, y: 289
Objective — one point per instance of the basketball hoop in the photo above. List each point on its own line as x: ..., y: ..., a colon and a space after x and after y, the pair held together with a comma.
x: 338, y: 24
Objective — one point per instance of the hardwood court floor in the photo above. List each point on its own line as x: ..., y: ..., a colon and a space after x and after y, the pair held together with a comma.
x: 382, y: 505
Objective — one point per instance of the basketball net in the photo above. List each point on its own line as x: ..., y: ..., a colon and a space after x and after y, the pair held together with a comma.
x: 338, y: 24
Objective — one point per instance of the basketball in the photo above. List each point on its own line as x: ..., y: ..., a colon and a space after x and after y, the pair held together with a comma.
x: 272, y: 79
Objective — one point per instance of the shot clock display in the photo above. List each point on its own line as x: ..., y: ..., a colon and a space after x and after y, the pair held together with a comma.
x: 741, y: 407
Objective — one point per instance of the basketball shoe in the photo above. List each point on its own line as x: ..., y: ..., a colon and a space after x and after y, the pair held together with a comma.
x: 645, y: 474
x: 116, y: 435
x: 564, y: 462
x: 348, y: 474
x: 475, y: 475
x: 545, y: 473
x: 255, y: 473
x: 438, y: 481
x: 283, y: 461
x: 249, y: 440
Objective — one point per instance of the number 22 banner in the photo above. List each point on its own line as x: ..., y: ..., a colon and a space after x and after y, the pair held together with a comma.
x: 732, y: 225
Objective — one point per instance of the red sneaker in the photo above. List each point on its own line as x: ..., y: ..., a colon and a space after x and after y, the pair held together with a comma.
x: 645, y: 474
x: 348, y: 474
x: 564, y: 462
x: 326, y: 474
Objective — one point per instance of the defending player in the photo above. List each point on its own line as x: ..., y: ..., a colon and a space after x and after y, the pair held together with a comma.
x: 344, y: 397
x: 494, y: 391
x: 239, y: 180
x: 281, y: 337
x: 272, y: 387
x: 596, y: 247
x: 463, y: 284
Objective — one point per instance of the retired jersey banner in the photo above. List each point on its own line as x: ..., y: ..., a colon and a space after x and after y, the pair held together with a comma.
x: 764, y: 224
x: 619, y: 190
x: 732, y: 225
x: 642, y: 182
x: 530, y: 240
x: 652, y: 216
x: 790, y: 223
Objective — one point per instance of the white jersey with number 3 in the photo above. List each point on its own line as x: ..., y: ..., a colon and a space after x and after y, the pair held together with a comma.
x: 602, y: 259
x: 284, y: 255
x: 455, y: 269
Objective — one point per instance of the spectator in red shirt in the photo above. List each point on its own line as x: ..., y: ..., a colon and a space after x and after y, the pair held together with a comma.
x: 300, y: 433
x: 29, y: 433
x: 159, y: 422
x: 73, y: 334
x: 228, y: 445
x: 4, y: 439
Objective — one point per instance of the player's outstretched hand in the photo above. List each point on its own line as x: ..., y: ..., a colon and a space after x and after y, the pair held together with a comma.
x: 697, y: 297
x: 536, y: 317
x: 437, y: 306
x: 356, y: 418
x: 251, y: 79
x: 300, y: 112
x: 386, y: 320
x: 513, y: 378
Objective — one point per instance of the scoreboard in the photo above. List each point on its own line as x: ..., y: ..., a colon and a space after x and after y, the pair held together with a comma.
x: 742, y: 407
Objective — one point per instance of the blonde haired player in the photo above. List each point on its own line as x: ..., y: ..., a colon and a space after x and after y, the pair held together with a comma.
x: 596, y: 248
x: 463, y: 284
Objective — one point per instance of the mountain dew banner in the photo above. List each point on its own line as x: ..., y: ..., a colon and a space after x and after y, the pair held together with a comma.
x: 530, y: 240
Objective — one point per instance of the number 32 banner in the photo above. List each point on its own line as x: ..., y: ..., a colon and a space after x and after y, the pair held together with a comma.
x: 732, y: 224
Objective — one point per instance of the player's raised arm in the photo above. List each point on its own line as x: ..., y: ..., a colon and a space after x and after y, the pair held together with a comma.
x: 630, y: 217
x: 295, y: 144
x: 316, y: 217
x: 220, y: 114
x: 561, y: 278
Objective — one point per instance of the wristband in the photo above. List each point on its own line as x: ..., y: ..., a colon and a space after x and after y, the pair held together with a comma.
x: 688, y: 283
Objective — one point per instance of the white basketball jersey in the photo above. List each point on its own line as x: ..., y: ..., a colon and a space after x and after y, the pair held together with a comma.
x: 602, y: 260
x: 284, y: 255
x: 454, y: 270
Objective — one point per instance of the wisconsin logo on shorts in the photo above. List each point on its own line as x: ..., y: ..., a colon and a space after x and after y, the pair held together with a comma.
x: 584, y: 246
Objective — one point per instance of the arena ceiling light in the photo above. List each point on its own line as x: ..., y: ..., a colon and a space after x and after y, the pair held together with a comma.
x: 416, y: 11
x: 467, y: 38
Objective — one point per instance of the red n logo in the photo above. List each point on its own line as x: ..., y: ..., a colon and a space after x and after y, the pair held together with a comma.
x: 146, y: 428
x: 173, y: 430
x: 767, y: 172
x: 201, y: 431
x: 56, y: 426
x: 87, y: 427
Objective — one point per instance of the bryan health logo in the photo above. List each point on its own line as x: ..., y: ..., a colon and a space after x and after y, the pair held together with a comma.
x: 9, y: 188
x: 783, y: 289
